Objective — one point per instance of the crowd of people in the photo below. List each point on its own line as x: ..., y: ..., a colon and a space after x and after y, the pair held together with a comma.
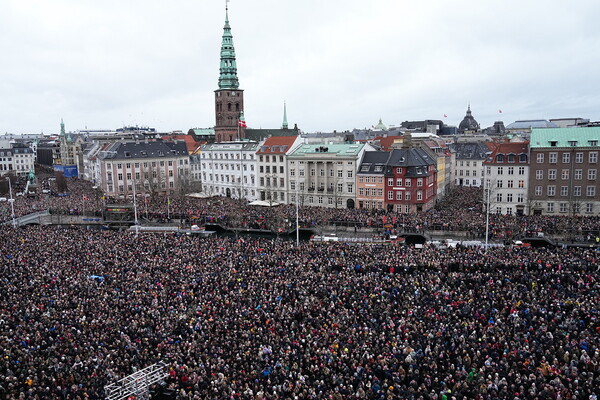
x: 461, y: 210
x: 258, y: 319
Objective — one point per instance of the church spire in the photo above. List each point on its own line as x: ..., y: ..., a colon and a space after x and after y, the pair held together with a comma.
x: 228, y: 71
x: 285, y: 123
x: 62, y: 127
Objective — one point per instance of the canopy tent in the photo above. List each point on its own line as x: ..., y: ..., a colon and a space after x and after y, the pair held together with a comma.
x: 263, y: 203
x: 199, y: 195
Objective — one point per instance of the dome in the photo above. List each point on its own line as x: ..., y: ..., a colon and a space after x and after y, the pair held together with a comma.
x: 380, y: 126
x: 468, y: 123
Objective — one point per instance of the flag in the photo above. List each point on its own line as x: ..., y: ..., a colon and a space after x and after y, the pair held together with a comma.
x: 500, y: 111
x: 241, y: 123
x: 168, y: 201
x: 445, y: 116
x: 85, y: 197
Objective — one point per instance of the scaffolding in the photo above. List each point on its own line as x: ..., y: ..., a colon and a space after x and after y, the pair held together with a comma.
x: 137, y: 384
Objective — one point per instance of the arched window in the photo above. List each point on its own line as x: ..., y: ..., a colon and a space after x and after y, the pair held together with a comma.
x: 228, y: 106
x: 237, y: 106
x: 500, y: 158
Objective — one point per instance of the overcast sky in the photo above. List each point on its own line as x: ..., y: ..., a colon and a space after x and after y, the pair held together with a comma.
x: 339, y: 65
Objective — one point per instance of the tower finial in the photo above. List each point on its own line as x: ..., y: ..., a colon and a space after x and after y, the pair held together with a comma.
x: 285, y: 123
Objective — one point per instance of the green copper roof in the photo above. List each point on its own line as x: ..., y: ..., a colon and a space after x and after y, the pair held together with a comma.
x: 62, y: 127
x: 285, y: 123
x: 228, y: 71
x: 331, y: 150
x: 565, y: 137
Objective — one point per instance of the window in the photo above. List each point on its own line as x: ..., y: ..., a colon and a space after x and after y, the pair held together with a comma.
x: 577, y: 191
x: 521, y: 170
x: 540, y: 158
x: 551, y: 190
x: 312, y: 172
x: 340, y: 187
x: 509, y: 198
x: 578, y: 158
x: 350, y: 187
x: 563, y: 207
x: 399, y: 195
x: 420, y: 182
x: 591, y: 191
x: 292, y: 185
x: 566, y: 158
x: 301, y: 171
x: 499, y: 197
x: 407, y: 182
x: 391, y: 195
x: 398, y: 170
x: 589, y: 208
x: 321, y: 172
x: 511, y: 170
x: 407, y: 196
x: 419, y: 195
x: 510, y: 184
x: 350, y: 174
x: 538, y: 190
x: 361, y: 191
x: 539, y: 174
x: 500, y: 184
x: 340, y: 173
x: 520, y: 198
x: 593, y: 157
x: 550, y: 207
x: 564, y: 174
x: 500, y: 158
x: 119, y: 166
x: 521, y: 184
x: 292, y: 172
x: 511, y: 158
x: 591, y: 174
x: 564, y: 191
x: 552, y: 174
x: 553, y: 158
x: 120, y: 176
x: 578, y: 174
x: 500, y: 170
x: 390, y: 181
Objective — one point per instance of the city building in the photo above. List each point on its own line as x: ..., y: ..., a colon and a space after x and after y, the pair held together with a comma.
x: 154, y: 167
x: 468, y: 164
x: 229, y: 169
x: 564, y: 171
x: 325, y: 174
x: 18, y: 159
x: 506, y: 174
x: 370, y: 177
x: 410, y: 181
x: 273, y: 184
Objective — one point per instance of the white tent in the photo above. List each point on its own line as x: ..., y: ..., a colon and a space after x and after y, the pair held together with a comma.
x: 199, y: 195
x: 263, y: 203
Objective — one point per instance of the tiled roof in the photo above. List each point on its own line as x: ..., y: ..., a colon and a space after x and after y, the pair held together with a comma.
x: 277, y: 145
x: 190, y: 143
x: 374, y: 162
x: 565, y: 137
x: 516, y: 149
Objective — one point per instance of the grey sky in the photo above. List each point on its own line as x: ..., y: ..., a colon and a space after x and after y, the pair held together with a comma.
x: 339, y: 65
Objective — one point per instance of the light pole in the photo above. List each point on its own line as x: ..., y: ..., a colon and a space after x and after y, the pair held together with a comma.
x: 135, y: 213
x: 297, y: 217
x: 12, y: 203
x: 487, y: 210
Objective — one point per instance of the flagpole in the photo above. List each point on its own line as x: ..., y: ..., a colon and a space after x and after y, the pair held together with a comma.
x: 297, y: 217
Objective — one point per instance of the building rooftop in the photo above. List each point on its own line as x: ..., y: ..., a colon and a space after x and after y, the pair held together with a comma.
x: 566, y: 137
x: 277, y: 145
x: 334, y: 150
x: 530, y: 124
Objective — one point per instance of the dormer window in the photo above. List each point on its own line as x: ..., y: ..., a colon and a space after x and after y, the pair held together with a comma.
x: 553, y: 143
x: 572, y: 143
x: 127, y: 154
x: 511, y: 158
x: 500, y: 158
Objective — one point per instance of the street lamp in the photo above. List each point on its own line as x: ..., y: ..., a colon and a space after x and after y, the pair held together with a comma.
x: 12, y: 203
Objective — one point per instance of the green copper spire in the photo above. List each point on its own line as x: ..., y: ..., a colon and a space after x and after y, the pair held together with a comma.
x: 62, y: 127
x: 228, y: 78
x: 285, y: 123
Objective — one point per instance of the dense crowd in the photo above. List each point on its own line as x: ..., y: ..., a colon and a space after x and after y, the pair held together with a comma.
x: 460, y: 210
x: 256, y: 319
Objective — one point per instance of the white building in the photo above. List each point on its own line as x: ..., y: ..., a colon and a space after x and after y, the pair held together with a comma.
x: 229, y: 169
x: 468, y: 164
x: 324, y: 175
x: 273, y: 177
x: 19, y: 160
x: 507, y: 176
